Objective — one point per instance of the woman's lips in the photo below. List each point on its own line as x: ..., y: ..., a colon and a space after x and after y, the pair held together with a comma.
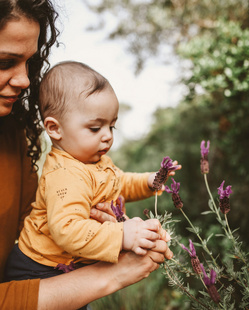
x: 10, y: 99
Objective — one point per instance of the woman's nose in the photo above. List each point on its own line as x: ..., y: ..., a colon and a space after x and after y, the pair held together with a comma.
x: 20, y: 78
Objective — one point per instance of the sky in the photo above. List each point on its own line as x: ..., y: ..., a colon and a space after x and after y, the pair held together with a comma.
x: 151, y: 89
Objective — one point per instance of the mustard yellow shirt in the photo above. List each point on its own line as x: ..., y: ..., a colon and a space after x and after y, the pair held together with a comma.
x: 59, y: 228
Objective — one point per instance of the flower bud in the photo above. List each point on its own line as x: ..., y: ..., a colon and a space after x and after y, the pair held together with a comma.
x: 177, y: 201
x: 213, y: 293
x: 224, y: 205
x: 204, y: 157
x: 204, y: 166
x: 196, y: 265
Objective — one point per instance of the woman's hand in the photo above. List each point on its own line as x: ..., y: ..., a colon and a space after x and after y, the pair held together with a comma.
x: 102, y: 212
x: 133, y: 268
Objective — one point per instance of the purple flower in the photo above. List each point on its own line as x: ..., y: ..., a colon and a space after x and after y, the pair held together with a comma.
x: 204, y: 150
x: 224, y: 198
x: 66, y: 268
x: 224, y: 192
x: 209, y: 282
x: 191, y: 250
x: 146, y: 212
x: 204, y: 157
x: 167, y: 163
x: 175, y: 187
x: 162, y: 175
x: 118, y: 210
x: 194, y: 259
x: 175, y: 193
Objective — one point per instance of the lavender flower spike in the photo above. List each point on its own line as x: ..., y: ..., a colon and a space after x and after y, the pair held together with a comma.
x: 191, y: 250
x: 118, y: 211
x: 175, y: 187
x: 162, y: 175
x: 167, y: 163
x: 209, y: 282
x: 224, y: 198
x: 175, y: 193
x: 66, y: 268
x: 204, y: 157
x: 204, y: 150
x: 194, y: 258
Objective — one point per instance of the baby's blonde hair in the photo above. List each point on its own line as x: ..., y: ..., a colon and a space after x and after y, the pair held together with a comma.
x: 62, y: 85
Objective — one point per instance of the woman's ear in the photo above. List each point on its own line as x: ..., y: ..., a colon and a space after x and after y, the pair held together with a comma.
x: 52, y: 127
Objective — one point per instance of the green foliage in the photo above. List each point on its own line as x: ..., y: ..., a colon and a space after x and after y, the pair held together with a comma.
x: 231, y: 266
x: 154, y: 24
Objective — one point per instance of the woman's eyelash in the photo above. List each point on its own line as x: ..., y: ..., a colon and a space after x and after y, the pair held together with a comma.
x: 5, y: 64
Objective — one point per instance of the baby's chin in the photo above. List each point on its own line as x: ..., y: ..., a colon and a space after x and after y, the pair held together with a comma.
x: 93, y: 160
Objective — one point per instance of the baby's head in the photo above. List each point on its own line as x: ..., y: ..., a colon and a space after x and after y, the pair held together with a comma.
x: 79, y: 109
x: 62, y: 86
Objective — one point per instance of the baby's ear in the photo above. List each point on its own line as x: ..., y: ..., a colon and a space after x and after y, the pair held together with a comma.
x: 52, y: 127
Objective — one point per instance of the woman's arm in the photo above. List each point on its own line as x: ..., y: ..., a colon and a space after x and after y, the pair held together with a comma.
x: 84, y: 285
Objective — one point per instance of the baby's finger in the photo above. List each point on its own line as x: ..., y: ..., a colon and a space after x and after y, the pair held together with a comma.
x: 152, y: 224
x: 171, y: 173
x: 150, y: 235
x: 146, y: 244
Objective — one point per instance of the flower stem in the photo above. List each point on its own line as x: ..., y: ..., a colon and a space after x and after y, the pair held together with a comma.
x: 211, y: 196
x: 198, y: 235
x: 156, y: 204
x: 230, y: 236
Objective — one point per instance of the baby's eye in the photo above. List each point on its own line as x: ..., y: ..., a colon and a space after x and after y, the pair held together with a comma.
x: 112, y: 127
x: 95, y: 129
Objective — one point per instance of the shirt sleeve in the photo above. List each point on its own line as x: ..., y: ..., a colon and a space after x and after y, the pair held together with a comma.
x: 135, y: 186
x: 69, y: 195
x: 19, y: 295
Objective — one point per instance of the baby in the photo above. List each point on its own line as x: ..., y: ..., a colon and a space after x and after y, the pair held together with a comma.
x: 79, y: 109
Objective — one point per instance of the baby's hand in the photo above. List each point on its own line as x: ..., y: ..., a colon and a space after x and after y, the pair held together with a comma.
x: 140, y: 235
x: 175, y: 164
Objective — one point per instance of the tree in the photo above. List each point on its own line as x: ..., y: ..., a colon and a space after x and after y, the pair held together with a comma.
x: 147, y: 26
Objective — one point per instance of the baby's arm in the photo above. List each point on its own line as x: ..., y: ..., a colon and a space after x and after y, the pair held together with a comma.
x: 140, y: 236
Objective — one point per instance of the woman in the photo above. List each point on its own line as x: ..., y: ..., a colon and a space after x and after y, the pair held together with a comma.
x: 27, y: 33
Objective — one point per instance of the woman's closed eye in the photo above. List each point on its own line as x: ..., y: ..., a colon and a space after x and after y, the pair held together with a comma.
x: 6, y: 64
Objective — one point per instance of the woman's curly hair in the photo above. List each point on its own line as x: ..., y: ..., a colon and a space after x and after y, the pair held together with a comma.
x: 26, y: 109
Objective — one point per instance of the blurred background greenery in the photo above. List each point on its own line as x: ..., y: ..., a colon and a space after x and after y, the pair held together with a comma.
x: 210, y: 41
